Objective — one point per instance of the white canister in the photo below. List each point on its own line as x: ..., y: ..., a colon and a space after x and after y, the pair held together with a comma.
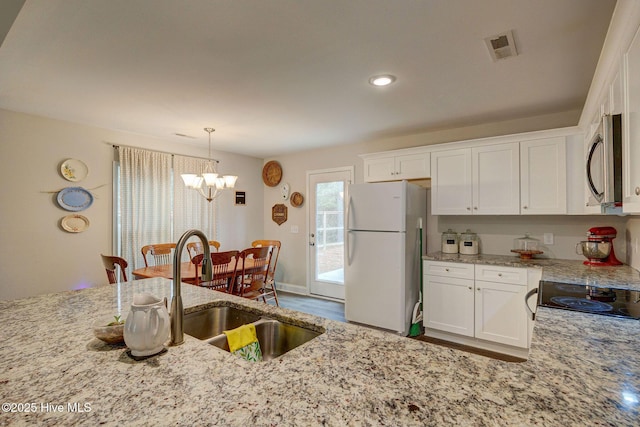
x: 449, y: 242
x: 469, y: 243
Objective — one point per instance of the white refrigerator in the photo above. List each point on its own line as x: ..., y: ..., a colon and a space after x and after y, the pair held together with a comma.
x: 383, y: 253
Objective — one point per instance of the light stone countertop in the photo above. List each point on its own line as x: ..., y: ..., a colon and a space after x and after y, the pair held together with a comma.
x: 583, y: 370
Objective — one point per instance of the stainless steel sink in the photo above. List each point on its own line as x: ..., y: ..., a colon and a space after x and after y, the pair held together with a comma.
x: 275, y: 338
x: 212, y: 321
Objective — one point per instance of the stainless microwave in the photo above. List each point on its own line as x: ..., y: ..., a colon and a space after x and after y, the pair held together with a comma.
x: 604, y: 163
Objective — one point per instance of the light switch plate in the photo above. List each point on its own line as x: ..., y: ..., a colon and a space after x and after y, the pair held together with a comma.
x: 548, y: 238
x: 294, y: 229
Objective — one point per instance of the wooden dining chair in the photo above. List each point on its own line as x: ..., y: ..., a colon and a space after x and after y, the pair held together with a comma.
x: 195, y: 248
x: 252, y: 273
x: 110, y: 265
x: 270, y: 284
x: 162, y: 253
x: 224, y: 266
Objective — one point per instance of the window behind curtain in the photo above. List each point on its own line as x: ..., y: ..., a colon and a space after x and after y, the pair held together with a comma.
x: 153, y: 204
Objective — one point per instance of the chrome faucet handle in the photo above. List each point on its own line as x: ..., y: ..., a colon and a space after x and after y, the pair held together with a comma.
x: 207, y: 274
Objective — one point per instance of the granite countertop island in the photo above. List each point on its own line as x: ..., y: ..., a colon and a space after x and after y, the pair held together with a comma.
x: 582, y: 370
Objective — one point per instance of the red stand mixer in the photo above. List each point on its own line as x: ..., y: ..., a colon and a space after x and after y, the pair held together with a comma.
x: 598, y: 248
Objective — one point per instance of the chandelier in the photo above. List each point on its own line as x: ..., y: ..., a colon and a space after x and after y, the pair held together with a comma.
x: 209, y: 184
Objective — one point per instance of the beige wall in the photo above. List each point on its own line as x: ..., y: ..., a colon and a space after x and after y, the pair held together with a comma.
x: 36, y: 255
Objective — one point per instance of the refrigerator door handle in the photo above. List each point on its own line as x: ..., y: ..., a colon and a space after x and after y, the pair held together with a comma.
x: 347, y: 246
x: 348, y: 213
x: 348, y: 232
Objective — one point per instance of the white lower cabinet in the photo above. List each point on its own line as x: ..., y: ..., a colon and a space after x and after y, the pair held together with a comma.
x: 477, y: 305
x: 500, y: 315
x: 448, y: 304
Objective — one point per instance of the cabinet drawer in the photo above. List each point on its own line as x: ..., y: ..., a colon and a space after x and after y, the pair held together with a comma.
x: 448, y: 269
x: 512, y: 275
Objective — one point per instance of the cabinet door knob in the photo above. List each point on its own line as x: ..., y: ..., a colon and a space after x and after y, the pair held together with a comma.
x: 499, y: 274
x: 475, y: 208
x: 637, y: 191
x: 468, y: 208
x: 470, y: 288
x: 446, y: 269
x: 478, y: 288
x: 524, y: 207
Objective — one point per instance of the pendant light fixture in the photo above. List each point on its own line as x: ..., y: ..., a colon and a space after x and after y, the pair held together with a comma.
x: 209, y: 184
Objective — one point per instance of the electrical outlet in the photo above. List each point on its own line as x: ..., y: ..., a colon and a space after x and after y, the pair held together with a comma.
x: 294, y: 229
x: 548, y: 238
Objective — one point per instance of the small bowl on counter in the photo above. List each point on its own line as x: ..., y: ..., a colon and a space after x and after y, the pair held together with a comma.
x: 108, y: 330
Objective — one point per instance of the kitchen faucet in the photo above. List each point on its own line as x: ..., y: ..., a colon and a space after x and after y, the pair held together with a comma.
x: 177, y: 311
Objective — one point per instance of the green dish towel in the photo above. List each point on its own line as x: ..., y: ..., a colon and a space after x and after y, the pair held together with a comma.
x: 243, y: 342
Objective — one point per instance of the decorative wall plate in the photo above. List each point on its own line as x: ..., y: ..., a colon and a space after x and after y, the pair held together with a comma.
x: 297, y: 199
x: 74, y: 199
x: 74, y: 170
x: 75, y: 223
x: 272, y: 173
x: 279, y: 214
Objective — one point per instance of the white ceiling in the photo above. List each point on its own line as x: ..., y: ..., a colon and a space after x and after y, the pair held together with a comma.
x: 276, y: 76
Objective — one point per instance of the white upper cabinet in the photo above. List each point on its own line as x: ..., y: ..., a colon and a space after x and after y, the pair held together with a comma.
x: 395, y: 167
x: 631, y: 128
x: 543, y: 177
x: 496, y: 179
x: 379, y: 169
x: 451, y: 182
x: 480, y: 180
x: 537, y: 174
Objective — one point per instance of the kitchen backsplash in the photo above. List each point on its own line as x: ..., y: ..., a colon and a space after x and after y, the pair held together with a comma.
x: 497, y: 233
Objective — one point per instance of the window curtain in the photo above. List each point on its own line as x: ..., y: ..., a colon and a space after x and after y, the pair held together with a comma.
x: 145, y: 199
x: 190, y: 209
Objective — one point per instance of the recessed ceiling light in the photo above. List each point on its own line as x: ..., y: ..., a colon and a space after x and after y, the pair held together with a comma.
x: 383, y: 80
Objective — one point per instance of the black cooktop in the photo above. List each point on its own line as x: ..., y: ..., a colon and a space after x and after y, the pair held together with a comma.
x: 590, y: 299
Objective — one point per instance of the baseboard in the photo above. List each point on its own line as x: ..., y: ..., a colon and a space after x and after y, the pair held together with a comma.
x: 301, y: 290
x: 522, y: 353
x: 291, y: 288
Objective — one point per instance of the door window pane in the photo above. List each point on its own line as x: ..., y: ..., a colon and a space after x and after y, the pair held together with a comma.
x: 330, y: 231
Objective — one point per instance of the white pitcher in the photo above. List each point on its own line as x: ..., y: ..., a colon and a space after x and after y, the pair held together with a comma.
x: 147, y: 326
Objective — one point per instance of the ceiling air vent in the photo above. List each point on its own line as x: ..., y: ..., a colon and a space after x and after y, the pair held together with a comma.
x: 501, y: 46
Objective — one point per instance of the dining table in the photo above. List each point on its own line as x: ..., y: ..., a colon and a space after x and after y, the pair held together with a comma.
x: 187, y: 270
